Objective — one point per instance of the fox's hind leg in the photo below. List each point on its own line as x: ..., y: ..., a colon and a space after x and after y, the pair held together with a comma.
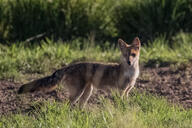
x: 86, y: 95
x: 77, y: 93
x: 75, y: 98
x: 75, y: 90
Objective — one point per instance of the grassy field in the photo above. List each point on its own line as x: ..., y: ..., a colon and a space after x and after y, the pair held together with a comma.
x: 140, y: 111
x: 19, y: 62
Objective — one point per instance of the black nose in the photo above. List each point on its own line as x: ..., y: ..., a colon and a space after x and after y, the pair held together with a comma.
x: 128, y: 62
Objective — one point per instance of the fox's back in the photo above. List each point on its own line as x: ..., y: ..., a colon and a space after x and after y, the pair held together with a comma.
x: 99, y: 74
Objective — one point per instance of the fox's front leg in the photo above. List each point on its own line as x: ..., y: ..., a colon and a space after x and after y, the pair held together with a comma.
x: 130, y: 87
x: 127, y: 89
x: 124, y: 86
x: 123, y: 92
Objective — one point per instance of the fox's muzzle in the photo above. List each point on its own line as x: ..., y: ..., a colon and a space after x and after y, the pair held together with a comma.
x: 128, y: 62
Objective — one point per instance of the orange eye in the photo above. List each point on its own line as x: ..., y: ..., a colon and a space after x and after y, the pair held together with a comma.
x: 133, y: 54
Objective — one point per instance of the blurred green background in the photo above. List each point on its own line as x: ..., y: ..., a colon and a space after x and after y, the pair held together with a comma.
x: 103, y: 20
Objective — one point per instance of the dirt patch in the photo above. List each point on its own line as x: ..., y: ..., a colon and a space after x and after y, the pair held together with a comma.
x: 173, y: 83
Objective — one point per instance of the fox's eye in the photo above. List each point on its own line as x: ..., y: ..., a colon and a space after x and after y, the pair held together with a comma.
x: 133, y: 55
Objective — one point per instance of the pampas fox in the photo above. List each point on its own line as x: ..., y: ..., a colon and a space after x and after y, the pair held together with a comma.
x: 81, y: 78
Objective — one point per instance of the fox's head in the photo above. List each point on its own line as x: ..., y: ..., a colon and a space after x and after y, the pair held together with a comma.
x: 130, y: 53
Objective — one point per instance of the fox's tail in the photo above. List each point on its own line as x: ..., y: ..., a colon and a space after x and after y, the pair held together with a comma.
x: 45, y: 84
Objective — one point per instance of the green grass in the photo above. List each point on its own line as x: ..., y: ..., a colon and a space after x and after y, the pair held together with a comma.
x: 140, y: 111
x: 160, y: 53
x: 20, y: 60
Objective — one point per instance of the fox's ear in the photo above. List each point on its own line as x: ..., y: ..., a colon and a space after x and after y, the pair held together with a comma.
x: 123, y: 45
x: 136, y: 42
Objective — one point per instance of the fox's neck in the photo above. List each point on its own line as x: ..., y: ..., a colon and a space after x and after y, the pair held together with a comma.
x: 130, y: 71
x: 136, y: 64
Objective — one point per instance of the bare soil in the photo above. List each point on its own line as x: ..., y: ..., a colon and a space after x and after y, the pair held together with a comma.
x: 174, y: 83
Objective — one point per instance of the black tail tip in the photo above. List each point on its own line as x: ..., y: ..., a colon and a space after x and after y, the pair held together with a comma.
x: 20, y: 91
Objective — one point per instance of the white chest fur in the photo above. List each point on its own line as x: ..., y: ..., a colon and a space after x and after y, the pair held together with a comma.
x: 131, y: 72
